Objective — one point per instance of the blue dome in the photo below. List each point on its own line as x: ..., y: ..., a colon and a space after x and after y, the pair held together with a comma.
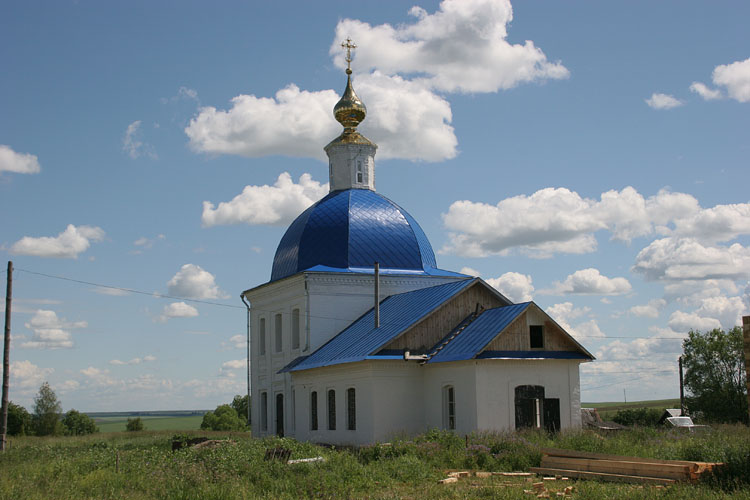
x: 350, y: 230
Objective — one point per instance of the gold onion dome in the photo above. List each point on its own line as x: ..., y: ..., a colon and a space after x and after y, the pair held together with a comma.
x: 350, y: 111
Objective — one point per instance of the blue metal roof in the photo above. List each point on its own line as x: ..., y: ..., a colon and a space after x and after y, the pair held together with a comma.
x: 349, y: 230
x: 479, y: 333
x: 532, y: 355
x: 361, y: 340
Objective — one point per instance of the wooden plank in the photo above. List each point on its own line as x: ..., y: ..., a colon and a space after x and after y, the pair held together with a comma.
x: 602, y: 476
x: 670, y: 471
x: 556, y: 452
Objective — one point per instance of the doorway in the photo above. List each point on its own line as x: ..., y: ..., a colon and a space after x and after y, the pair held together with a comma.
x: 534, y: 410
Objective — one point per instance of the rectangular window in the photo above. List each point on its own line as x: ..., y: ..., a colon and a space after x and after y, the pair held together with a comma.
x: 314, y: 411
x: 449, y: 408
x: 351, y: 409
x: 360, y: 176
x: 331, y: 410
x: 277, y: 332
x: 536, y: 336
x: 262, y: 337
x: 294, y: 410
x: 295, y: 328
x: 264, y: 411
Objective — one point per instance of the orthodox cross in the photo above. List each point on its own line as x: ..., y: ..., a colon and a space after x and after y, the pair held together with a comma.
x: 348, y: 45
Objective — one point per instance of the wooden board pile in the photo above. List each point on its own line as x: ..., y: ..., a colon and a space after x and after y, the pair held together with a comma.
x: 618, y: 468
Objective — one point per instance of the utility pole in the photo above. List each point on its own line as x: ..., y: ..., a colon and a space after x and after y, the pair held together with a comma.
x: 746, y: 342
x: 682, y: 391
x: 6, y: 358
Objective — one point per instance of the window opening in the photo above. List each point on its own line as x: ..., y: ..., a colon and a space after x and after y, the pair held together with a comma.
x: 277, y: 332
x: 536, y: 336
x: 264, y: 411
x: 280, y: 415
x: 449, y: 408
x: 295, y: 328
x: 351, y: 409
x: 331, y: 410
x: 360, y: 174
x: 314, y: 411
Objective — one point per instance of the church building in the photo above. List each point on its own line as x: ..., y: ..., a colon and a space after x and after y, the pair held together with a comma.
x: 359, y: 336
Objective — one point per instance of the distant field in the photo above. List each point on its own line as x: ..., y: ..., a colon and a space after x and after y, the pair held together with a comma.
x: 151, y: 423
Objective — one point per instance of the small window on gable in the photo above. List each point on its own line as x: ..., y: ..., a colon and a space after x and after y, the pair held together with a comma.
x: 277, y: 332
x: 536, y: 336
x: 295, y: 328
x: 314, y: 411
x: 360, y: 172
x: 262, y: 336
x: 449, y: 408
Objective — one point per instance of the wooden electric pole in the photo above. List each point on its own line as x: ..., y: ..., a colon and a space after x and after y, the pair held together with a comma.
x: 682, y: 392
x: 746, y: 345
x: 6, y: 358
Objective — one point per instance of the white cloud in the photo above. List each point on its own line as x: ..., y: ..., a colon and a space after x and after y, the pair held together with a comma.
x: 112, y: 292
x: 405, y: 119
x: 735, y: 77
x: 650, y: 310
x: 516, y: 286
x: 228, y: 366
x: 176, y: 310
x: 564, y: 314
x: 690, y: 293
x: 663, y: 101
x: 636, y: 350
x: 702, y: 90
x: 238, y: 341
x: 27, y: 376
x: 133, y: 145
x: 68, y: 244
x: 50, y: 332
x: 461, y: 47
x: 99, y: 377
x: 727, y: 310
x: 587, y: 329
x: 134, y: 361
x: 688, y: 259
x: 469, y: 271
x: 146, y: 243
x: 682, y: 322
x: 590, y: 282
x: 192, y: 282
x: 20, y: 163
x: 557, y: 220
x: 275, y: 205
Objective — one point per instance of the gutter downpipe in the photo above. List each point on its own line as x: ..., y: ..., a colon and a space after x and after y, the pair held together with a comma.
x: 307, y: 315
x: 247, y: 304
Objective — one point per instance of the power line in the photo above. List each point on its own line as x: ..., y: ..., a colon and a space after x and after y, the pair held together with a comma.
x: 130, y: 290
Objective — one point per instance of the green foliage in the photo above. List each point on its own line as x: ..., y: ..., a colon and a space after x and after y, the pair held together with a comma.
x: 224, y: 418
x: 47, y: 412
x: 19, y: 420
x: 240, y: 405
x: 643, y: 417
x: 715, y: 375
x: 78, y: 424
x: 134, y: 424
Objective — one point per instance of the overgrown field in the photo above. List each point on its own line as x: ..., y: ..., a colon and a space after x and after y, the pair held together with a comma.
x: 142, y: 465
x: 151, y: 423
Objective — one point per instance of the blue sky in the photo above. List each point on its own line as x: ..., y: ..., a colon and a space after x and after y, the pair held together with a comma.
x: 592, y: 156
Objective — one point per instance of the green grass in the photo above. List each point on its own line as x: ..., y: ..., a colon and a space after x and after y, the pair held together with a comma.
x: 117, y: 424
x: 141, y: 465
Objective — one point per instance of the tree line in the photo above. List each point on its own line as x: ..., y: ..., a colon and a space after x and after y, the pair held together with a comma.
x: 47, y: 418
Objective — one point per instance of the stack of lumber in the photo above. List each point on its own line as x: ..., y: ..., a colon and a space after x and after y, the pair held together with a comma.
x: 618, y: 468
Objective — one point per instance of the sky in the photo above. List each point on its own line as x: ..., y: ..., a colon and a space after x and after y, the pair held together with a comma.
x: 590, y: 156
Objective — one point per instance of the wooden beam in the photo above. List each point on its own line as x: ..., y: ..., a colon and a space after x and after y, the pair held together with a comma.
x: 556, y: 452
x: 623, y: 478
x: 668, y: 471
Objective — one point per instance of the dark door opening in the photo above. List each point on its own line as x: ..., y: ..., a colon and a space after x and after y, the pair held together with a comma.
x: 280, y: 415
x: 534, y: 410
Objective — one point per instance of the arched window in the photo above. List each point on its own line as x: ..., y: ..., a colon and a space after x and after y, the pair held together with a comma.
x: 314, y: 411
x: 449, y: 408
x: 351, y: 409
x: 264, y: 411
x: 331, y: 410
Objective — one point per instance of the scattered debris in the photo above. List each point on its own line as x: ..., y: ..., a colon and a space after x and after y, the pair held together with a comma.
x: 212, y: 443
x: 279, y: 453
x: 306, y: 460
x: 180, y: 443
x: 448, y: 480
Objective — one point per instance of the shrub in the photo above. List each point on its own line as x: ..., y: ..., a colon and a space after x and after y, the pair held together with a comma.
x: 78, y: 424
x: 224, y: 418
x: 134, y: 424
x: 19, y: 420
x: 643, y: 417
